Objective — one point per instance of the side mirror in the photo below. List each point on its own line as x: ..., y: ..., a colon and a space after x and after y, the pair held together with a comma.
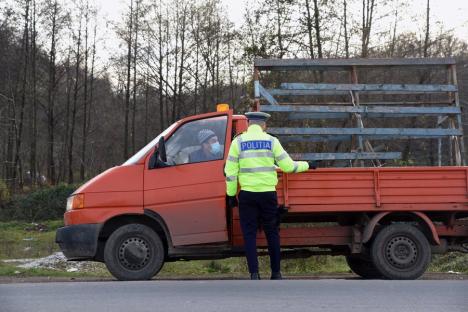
x: 159, y: 157
x: 162, y: 149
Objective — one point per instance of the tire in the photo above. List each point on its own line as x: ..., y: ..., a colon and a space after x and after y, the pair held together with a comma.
x: 363, y: 266
x: 134, y: 252
x: 401, y: 252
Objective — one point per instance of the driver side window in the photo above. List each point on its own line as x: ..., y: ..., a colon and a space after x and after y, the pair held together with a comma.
x: 197, y: 141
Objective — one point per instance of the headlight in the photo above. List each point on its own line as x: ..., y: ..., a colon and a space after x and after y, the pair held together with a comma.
x: 75, y: 202
x: 69, y: 203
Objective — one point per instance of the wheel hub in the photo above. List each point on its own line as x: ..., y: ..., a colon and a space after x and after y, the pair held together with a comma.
x: 401, y: 252
x: 134, y: 253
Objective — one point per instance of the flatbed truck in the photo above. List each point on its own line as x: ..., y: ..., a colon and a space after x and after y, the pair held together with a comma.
x: 159, y: 207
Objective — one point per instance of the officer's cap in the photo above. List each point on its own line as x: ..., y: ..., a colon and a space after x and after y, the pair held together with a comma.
x: 257, y: 116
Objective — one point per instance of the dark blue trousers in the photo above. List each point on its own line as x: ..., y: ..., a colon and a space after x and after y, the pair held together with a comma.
x: 263, y: 205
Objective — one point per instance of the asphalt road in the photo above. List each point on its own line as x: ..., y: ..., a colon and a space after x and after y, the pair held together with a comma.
x: 237, y: 295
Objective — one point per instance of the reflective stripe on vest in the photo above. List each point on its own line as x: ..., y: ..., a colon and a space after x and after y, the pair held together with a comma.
x: 295, y: 167
x: 232, y: 158
x: 257, y: 169
x: 282, y: 156
x: 231, y: 178
x: 255, y: 154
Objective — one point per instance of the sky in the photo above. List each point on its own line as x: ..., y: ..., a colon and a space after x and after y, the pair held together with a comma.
x: 452, y: 14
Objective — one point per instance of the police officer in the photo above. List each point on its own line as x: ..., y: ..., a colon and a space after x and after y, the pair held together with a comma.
x: 251, y: 162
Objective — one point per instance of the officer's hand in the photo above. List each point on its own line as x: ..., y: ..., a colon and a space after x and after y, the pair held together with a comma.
x: 313, y: 164
x: 232, y: 201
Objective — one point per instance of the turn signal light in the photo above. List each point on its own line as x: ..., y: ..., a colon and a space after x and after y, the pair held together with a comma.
x: 222, y: 107
x: 75, y: 202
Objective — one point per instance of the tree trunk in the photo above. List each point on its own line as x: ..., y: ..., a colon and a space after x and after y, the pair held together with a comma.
x: 160, y: 72
x: 51, y: 99
x: 309, y: 30
x: 176, y: 57
x: 135, y: 55
x: 74, y: 107
x: 85, y: 100
x: 318, y: 37
x: 91, y: 80
x: 345, y: 24
x: 367, y: 16
x: 127, y: 91
x: 392, y: 47
x: 18, y: 173
x: 33, y: 142
x: 197, y: 60
x: 230, y: 70
x: 426, y: 38
x: 279, y: 34
x: 147, y: 88
x: 181, y: 67
x: 166, y: 100
x: 63, y: 168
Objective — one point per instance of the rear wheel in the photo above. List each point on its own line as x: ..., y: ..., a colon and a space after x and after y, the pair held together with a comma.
x: 363, y: 266
x: 134, y: 252
x: 401, y: 251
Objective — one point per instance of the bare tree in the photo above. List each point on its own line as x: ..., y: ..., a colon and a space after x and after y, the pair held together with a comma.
x: 310, y: 34
x: 92, y: 77
x: 393, y: 43
x: 367, y: 19
x: 18, y: 165
x: 75, y: 98
x: 85, y: 97
x: 426, y: 37
x: 135, y: 58
x: 160, y: 68
x: 33, y: 117
x: 182, y: 59
x: 53, y: 14
x: 318, y: 37
x: 345, y: 26
x: 129, y: 67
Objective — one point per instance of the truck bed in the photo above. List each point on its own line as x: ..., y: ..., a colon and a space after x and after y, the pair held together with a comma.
x: 346, y: 191
x: 375, y: 189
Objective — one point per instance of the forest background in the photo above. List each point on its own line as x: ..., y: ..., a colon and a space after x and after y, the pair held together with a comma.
x: 71, y: 105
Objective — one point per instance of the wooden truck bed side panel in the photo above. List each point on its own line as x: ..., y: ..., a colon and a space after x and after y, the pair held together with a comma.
x: 362, y: 189
x: 414, y: 188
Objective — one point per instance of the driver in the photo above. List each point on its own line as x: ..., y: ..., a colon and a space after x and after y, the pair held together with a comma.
x: 210, y: 149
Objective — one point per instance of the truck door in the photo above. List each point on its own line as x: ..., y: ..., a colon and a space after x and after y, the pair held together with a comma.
x: 189, y: 194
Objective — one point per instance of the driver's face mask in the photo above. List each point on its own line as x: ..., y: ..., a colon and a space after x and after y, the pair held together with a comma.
x: 215, y: 148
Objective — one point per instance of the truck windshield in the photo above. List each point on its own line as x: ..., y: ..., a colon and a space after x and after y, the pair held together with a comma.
x: 135, y: 158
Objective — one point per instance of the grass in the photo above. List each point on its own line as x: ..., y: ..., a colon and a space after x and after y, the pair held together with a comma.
x: 25, y: 240
x: 28, y: 240
x: 454, y: 261
x: 238, y: 266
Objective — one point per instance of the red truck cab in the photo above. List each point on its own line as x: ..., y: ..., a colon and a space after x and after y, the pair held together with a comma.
x: 153, y: 209
x: 184, y: 202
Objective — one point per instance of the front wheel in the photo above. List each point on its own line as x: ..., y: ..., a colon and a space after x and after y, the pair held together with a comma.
x: 401, y: 251
x: 134, y: 252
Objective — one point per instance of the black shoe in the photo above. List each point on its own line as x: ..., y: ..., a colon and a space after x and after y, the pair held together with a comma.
x: 276, y: 276
x: 254, y: 276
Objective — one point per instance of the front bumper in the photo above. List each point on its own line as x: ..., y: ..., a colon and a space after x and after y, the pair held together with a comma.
x: 78, y: 242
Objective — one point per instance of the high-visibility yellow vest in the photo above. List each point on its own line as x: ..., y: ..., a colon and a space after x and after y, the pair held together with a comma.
x: 251, y: 161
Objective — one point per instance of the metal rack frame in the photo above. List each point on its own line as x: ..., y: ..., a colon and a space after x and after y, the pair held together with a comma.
x: 449, y: 123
